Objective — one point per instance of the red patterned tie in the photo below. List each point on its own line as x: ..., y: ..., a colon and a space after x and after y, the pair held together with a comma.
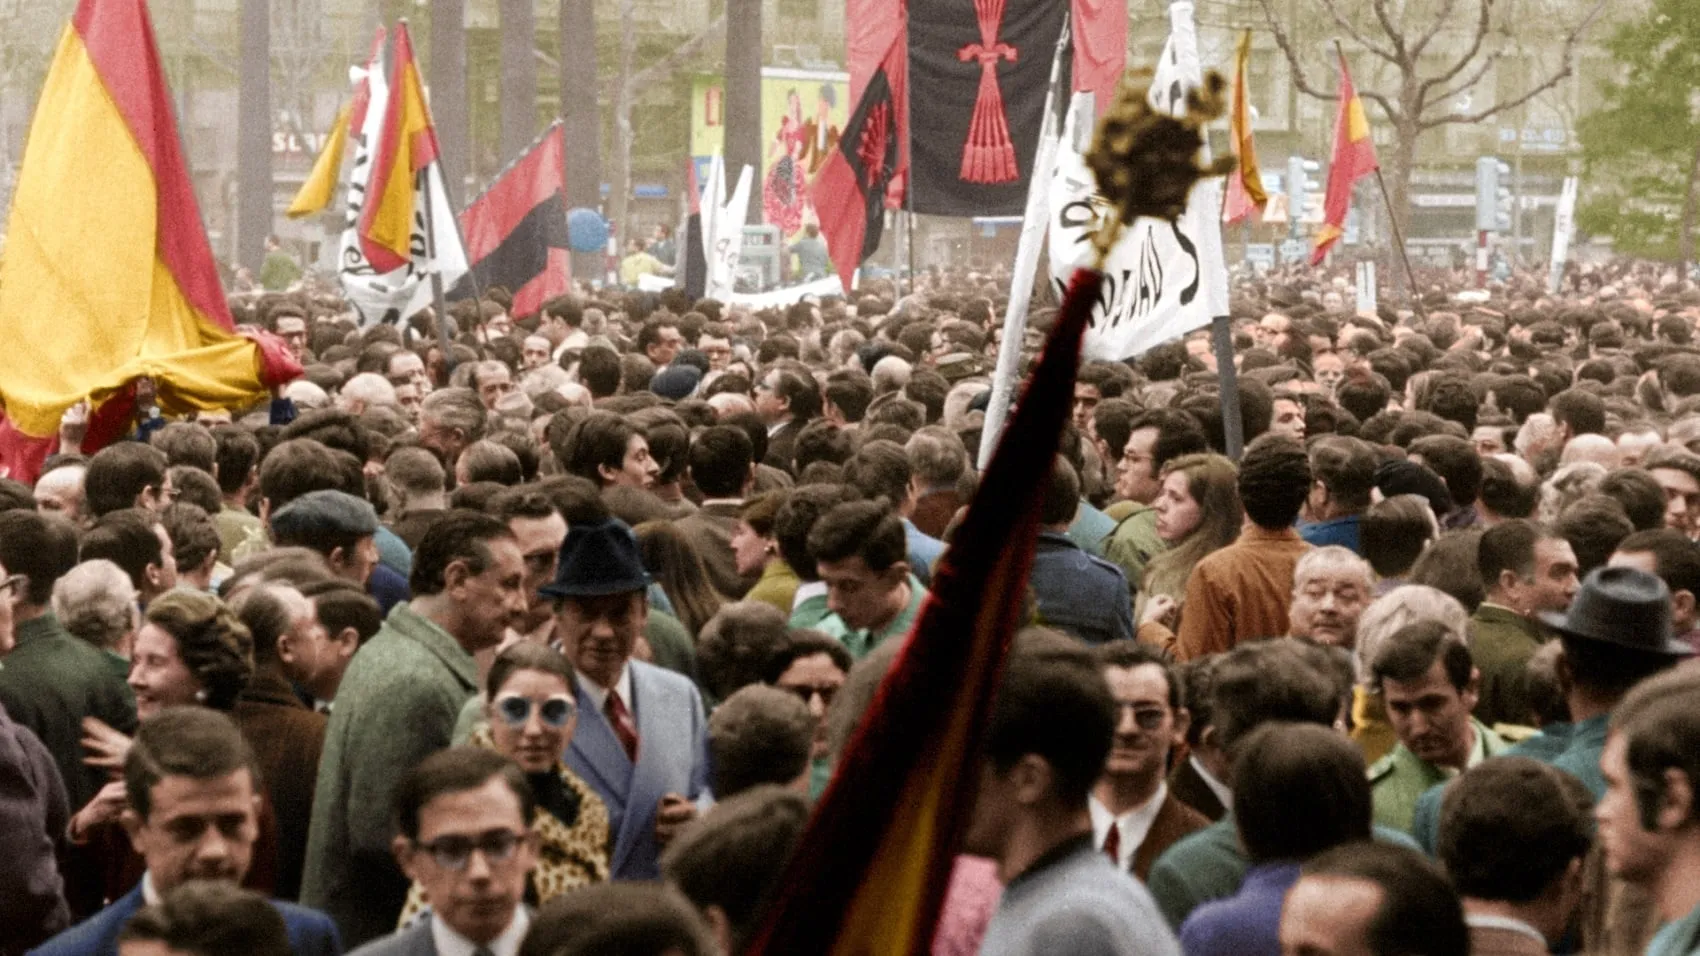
x: 1113, y: 844
x: 620, y: 719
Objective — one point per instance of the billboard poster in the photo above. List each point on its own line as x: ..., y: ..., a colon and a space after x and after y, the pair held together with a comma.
x: 802, y: 112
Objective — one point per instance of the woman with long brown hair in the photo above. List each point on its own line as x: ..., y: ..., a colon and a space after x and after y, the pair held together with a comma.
x: 1198, y: 511
x: 678, y: 568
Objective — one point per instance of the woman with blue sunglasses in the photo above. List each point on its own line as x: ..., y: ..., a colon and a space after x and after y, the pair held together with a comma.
x: 529, y: 717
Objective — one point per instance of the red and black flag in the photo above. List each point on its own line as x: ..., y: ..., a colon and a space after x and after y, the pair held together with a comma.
x: 516, y: 230
x: 985, y: 67
x: 850, y: 192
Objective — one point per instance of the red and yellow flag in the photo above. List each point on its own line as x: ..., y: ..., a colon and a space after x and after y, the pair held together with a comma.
x: 107, y: 274
x: 406, y: 144
x: 320, y: 184
x: 869, y: 875
x: 1245, y: 183
x: 1354, y: 158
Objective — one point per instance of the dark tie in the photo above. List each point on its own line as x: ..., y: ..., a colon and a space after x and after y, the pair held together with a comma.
x: 620, y: 719
x: 1113, y: 844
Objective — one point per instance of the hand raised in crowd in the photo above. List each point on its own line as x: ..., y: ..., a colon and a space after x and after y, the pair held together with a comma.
x: 106, y: 748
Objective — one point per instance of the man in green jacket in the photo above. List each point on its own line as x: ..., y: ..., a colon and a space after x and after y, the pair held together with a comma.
x: 397, y: 704
x: 1425, y: 676
x: 1528, y: 570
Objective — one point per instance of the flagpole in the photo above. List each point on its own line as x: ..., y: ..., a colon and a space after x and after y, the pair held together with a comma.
x: 1034, y: 220
x: 1392, y: 220
x: 437, y: 274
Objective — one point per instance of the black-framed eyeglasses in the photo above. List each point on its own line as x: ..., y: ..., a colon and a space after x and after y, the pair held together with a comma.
x: 807, y: 692
x: 454, y: 852
x: 515, y: 710
x: 13, y: 584
x: 1146, y: 718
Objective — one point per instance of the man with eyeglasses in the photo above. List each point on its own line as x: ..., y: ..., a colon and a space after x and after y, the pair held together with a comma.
x: 1134, y: 816
x: 814, y: 667
x: 1154, y: 438
x: 464, y: 838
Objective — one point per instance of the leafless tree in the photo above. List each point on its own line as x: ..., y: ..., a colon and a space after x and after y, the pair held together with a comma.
x: 1426, y: 60
x: 518, y: 77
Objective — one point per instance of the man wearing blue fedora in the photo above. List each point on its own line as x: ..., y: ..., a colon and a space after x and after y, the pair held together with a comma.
x: 642, y: 740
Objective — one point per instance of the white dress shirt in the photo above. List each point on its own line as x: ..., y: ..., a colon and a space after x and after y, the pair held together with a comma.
x: 1223, y: 792
x: 451, y: 943
x: 1132, y: 827
x: 598, y: 694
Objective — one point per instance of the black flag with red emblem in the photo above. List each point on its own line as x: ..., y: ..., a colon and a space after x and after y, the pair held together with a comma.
x: 516, y: 231
x: 985, y: 66
x: 850, y: 192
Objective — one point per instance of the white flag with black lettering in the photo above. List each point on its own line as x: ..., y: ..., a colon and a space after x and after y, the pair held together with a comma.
x: 1162, y: 280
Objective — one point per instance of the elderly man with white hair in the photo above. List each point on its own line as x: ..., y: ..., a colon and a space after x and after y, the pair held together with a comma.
x: 364, y: 391
x: 1331, y: 588
x: 1403, y: 605
x: 96, y: 602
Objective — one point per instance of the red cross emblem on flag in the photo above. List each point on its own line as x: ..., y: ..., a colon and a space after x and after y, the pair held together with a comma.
x: 989, y: 156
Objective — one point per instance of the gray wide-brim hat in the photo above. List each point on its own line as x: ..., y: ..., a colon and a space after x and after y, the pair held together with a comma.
x: 1623, y: 606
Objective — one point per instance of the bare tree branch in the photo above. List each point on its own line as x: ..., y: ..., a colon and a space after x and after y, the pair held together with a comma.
x: 1484, y: 22
x: 1286, y: 44
x: 679, y: 53
x: 1433, y: 30
x: 1393, y: 33
x: 1470, y: 79
x: 1357, y: 35
x: 1567, y: 66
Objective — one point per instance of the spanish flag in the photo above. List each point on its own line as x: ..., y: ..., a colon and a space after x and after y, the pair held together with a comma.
x: 107, y: 275
x: 1245, y: 183
x: 406, y: 145
x: 316, y: 192
x: 1354, y: 158
x: 869, y: 875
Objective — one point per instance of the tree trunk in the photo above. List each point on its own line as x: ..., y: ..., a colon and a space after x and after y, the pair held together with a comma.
x: 743, y: 96
x: 519, y: 77
x: 253, y: 136
x: 1690, y: 209
x: 581, y: 117
x: 1396, y: 172
x: 620, y: 198
x: 448, y: 93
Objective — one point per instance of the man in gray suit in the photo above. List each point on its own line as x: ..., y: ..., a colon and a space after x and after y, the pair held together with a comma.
x: 396, y: 705
x: 464, y: 838
x: 642, y: 741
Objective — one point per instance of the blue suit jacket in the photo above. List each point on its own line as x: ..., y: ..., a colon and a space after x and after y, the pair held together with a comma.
x: 672, y: 758
x: 311, y: 933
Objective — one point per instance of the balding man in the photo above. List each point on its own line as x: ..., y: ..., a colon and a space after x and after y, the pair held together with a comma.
x: 60, y: 491
x: 1591, y: 447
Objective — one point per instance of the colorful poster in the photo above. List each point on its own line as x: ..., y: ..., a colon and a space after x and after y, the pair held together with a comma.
x: 802, y: 115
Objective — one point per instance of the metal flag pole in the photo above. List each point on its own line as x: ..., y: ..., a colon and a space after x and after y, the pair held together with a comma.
x: 1034, y: 221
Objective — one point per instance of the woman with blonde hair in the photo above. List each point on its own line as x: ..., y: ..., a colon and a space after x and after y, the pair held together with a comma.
x: 1198, y: 511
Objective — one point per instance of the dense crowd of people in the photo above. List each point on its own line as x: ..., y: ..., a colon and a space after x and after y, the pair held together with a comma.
x: 544, y: 643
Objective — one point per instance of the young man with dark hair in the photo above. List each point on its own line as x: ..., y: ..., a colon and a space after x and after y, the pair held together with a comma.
x: 1514, y: 838
x: 730, y: 863
x: 1343, y: 471
x: 397, y: 703
x: 193, y: 803
x: 1244, y: 591
x: 203, y: 918
x: 760, y: 735
x: 1527, y: 570
x: 136, y: 541
x: 1135, y: 817
x: 860, y: 553
x: 126, y: 475
x: 722, y: 466
x: 464, y: 834
x: 1077, y: 592
x: 1676, y: 561
x: 1455, y: 460
x: 1300, y: 791
x: 1428, y: 683
x: 786, y: 399
x: 880, y: 469
x: 1050, y: 732
x: 1649, y: 819
x: 1252, y: 685
x: 1370, y: 898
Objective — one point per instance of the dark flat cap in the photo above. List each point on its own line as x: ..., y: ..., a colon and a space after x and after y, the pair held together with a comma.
x: 324, y: 514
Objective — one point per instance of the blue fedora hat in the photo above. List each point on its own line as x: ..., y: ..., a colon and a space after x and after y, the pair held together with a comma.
x: 597, y: 560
